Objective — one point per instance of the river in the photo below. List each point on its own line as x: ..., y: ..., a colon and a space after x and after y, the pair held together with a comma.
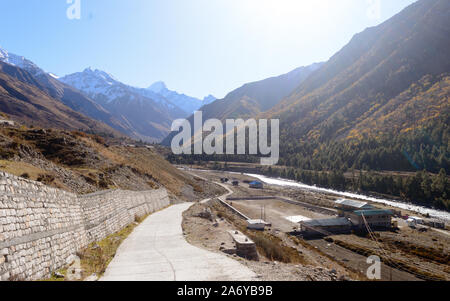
x: 439, y: 214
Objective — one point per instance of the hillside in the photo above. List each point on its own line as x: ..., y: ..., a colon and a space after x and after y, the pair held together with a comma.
x: 380, y: 104
x: 146, y: 114
x: 389, y: 80
x: 85, y: 163
x: 46, y: 82
x: 26, y: 101
x: 254, y: 98
x: 142, y: 114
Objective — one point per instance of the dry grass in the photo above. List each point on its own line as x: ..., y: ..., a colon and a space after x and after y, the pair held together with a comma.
x: 150, y: 162
x: 268, y: 245
x: 354, y: 273
x: 22, y: 169
x: 392, y: 262
x: 91, y: 160
x: 430, y: 254
x: 97, y: 256
x: 274, y: 249
x: 103, y: 151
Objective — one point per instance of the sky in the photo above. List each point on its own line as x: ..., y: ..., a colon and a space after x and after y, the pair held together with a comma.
x: 197, y: 47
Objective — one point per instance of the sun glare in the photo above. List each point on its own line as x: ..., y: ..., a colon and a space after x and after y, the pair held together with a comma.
x: 287, y: 12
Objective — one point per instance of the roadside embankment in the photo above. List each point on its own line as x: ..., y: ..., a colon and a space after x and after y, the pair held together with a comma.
x: 42, y: 228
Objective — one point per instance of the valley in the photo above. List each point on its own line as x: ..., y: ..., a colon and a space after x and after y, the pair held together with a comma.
x: 134, y: 178
x: 84, y: 163
x: 345, y: 254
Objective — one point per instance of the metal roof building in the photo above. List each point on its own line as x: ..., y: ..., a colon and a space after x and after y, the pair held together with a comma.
x: 329, y: 222
x: 352, y: 205
x: 256, y: 224
x: 375, y: 218
x: 325, y: 227
x: 373, y: 212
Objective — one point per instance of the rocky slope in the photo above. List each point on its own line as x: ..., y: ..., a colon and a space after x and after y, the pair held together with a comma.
x: 254, y: 98
x: 24, y: 99
x: 148, y: 115
x: 365, y: 80
x: 49, y: 84
x: 84, y: 163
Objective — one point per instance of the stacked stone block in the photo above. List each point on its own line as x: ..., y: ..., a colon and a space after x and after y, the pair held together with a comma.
x: 41, y: 228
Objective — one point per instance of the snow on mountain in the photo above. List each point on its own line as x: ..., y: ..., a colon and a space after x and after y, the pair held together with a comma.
x: 94, y: 83
x: 105, y: 88
x: 187, y: 103
x: 20, y: 61
x: 149, y: 113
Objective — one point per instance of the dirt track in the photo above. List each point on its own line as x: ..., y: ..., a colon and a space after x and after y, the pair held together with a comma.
x: 276, y: 212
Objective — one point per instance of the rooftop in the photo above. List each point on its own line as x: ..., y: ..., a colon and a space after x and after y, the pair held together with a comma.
x: 373, y: 212
x: 255, y: 221
x: 255, y: 183
x: 355, y: 204
x: 342, y: 221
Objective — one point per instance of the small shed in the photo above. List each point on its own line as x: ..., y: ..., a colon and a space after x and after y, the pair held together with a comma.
x: 256, y: 224
x: 256, y: 185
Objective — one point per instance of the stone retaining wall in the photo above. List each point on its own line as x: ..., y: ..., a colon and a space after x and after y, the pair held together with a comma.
x: 41, y: 228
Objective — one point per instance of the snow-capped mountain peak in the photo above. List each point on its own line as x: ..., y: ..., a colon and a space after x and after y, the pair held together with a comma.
x: 95, y: 82
x: 19, y: 61
x: 186, y: 103
x: 99, y: 75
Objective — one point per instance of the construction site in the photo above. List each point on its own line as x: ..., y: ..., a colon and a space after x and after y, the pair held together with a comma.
x: 322, y: 231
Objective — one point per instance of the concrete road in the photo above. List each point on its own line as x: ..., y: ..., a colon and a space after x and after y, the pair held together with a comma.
x: 157, y: 251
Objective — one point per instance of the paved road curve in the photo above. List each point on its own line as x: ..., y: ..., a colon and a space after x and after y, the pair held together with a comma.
x: 157, y: 251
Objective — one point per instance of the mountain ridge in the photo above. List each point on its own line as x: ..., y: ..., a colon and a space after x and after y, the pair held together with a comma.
x: 186, y: 103
x: 251, y: 99
x: 27, y: 103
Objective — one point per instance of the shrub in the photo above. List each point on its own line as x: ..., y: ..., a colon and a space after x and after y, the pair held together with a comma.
x: 274, y: 249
